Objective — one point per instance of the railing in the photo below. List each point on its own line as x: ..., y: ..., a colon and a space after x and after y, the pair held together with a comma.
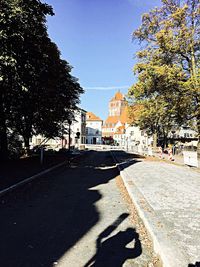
x: 180, y: 156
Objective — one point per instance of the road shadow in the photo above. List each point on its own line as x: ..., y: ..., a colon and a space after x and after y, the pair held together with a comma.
x: 42, y: 220
x: 197, y: 264
x: 125, y: 159
x: 113, y: 251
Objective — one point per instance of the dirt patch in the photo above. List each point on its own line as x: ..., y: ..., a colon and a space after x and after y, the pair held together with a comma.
x: 135, y: 219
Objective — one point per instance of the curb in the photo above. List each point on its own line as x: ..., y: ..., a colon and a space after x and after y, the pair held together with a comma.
x: 31, y: 178
x: 171, y: 256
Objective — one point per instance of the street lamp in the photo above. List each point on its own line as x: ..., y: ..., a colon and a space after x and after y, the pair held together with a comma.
x: 69, y: 134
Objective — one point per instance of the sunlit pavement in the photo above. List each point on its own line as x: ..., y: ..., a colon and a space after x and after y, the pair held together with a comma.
x: 72, y: 217
x: 168, y: 198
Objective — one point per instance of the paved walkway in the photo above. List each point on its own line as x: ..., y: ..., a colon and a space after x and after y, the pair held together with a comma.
x: 168, y: 199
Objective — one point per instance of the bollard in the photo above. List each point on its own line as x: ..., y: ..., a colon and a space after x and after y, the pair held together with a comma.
x: 160, y: 152
x: 170, y: 155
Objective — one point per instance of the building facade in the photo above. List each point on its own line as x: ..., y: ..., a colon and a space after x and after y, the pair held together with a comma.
x: 77, y: 130
x: 93, y: 129
x: 117, y: 113
x: 118, y: 126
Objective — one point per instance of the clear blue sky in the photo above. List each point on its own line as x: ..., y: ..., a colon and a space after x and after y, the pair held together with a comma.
x: 94, y: 36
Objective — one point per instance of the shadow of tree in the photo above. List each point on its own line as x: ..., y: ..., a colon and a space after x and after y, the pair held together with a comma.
x: 41, y: 221
x: 125, y: 159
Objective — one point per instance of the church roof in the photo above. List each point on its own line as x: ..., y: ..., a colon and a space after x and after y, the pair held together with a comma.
x: 118, y: 96
x: 112, y: 119
x: 90, y: 116
x: 123, y: 118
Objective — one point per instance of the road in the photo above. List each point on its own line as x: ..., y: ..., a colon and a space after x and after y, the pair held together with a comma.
x: 72, y: 217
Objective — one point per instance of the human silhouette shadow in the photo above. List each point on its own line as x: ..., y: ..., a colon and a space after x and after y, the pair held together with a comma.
x: 113, y: 251
x: 43, y: 220
x: 197, y: 264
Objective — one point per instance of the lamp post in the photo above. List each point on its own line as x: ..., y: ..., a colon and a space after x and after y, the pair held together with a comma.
x: 69, y: 134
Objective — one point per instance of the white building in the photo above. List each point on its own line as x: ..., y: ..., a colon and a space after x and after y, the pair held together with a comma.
x: 131, y: 137
x: 77, y: 134
x: 93, y: 129
x: 78, y: 129
x: 183, y: 132
x: 137, y: 139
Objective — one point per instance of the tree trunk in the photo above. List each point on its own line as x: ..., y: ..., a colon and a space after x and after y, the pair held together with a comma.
x: 155, y: 140
x: 3, y: 132
x: 69, y: 143
x: 27, y: 145
x: 3, y: 142
x: 165, y: 141
x: 198, y: 132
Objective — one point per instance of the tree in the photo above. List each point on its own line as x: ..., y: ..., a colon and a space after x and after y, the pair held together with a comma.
x: 37, y: 89
x: 168, y: 64
x: 22, y: 30
x: 155, y: 116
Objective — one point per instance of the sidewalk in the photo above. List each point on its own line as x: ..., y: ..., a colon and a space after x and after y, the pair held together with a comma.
x: 176, y: 158
x: 168, y: 200
x: 15, y: 171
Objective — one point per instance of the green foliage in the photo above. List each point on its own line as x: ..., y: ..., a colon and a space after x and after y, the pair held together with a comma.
x: 168, y: 83
x: 15, y: 145
x: 37, y: 91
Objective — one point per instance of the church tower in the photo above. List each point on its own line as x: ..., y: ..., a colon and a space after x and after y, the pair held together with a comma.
x: 117, y: 114
x: 117, y: 104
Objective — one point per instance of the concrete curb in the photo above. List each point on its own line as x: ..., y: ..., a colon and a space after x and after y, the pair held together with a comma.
x: 31, y: 178
x: 170, y: 255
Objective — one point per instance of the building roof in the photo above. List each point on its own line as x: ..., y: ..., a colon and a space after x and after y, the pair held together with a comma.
x: 120, y: 130
x: 118, y: 96
x: 123, y: 118
x: 112, y: 119
x: 90, y: 116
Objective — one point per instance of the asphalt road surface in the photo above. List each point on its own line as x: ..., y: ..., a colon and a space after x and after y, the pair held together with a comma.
x: 73, y: 217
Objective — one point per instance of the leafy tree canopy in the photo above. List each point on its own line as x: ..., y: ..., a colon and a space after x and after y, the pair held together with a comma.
x: 38, y: 91
x: 168, y: 64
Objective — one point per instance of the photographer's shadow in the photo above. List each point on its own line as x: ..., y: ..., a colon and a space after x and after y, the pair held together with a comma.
x: 113, y: 251
x: 197, y: 264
